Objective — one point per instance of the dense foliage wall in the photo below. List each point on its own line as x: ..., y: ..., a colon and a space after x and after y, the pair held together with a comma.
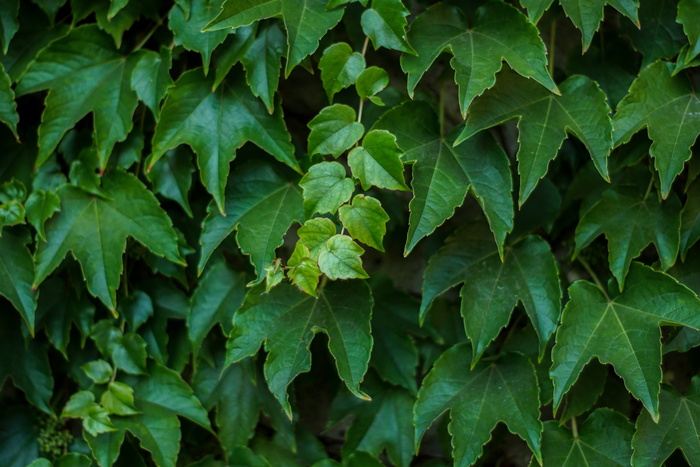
x: 349, y: 232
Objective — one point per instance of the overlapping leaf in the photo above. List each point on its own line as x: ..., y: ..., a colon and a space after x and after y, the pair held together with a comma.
x: 17, y: 274
x: 587, y: 14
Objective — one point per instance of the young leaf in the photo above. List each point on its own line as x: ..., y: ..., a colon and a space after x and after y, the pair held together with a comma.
x: 151, y: 78
x: 371, y: 81
x: 501, y: 391
x: 676, y: 428
x: 587, y: 15
x: 365, y: 220
x: 261, y: 61
x: 98, y: 370
x: 670, y: 110
x: 17, y: 273
x: 84, y: 73
x: 286, y: 320
x: 215, y: 124
x: 118, y: 399
x: 305, y: 23
x: 492, y: 288
x: 631, y: 220
x: 95, y: 418
x: 315, y: 233
x: 340, y: 67
x: 40, y: 206
x: 378, y: 162
x: 442, y: 174
x: 326, y: 187
x: 305, y: 275
x: 334, y: 130
x: 499, y: 32
x: 544, y: 121
x: 623, y: 331
x: 385, y: 24
x: 342, y: 259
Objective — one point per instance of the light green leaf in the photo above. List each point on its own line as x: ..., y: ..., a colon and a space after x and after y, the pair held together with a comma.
x: 95, y: 231
x: 442, y: 174
x: 11, y: 213
x: 172, y: 176
x: 261, y: 206
x: 501, y: 391
x: 365, y: 220
x: 340, y: 67
x: 305, y: 275
x: 631, y: 220
x: 623, y: 331
x: 187, y: 28
x: 274, y: 274
x: 305, y: 23
x: 688, y: 12
x: 499, y: 32
x: 261, y: 61
x: 492, y: 288
x: 215, y: 124
x: 286, y: 320
x: 385, y: 24
x: 40, y: 206
x: 544, y: 121
x: 98, y: 370
x: 670, y: 110
x: 342, y: 259
x: 84, y: 73
x: 17, y: 274
x: 315, y: 233
x: 378, y: 162
x: 676, y: 428
x: 371, y: 81
x: 334, y: 130
x: 95, y: 418
x: 587, y: 15
x: 118, y: 399
x: 326, y: 186
x: 151, y: 78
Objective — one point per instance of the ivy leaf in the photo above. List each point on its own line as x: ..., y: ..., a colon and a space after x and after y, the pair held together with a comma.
x: 688, y: 12
x: 662, y: 36
x: 501, y: 391
x: 8, y: 107
x: 187, y: 28
x: 98, y: 370
x: 118, y: 399
x: 9, y: 25
x: 326, y: 187
x: 334, y: 130
x: 261, y: 204
x: 603, y: 439
x: 544, y: 121
x: 127, y: 351
x: 151, y: 78
x: 17, y: 273
x: 340, y: 67
x: 157, y: 430
x: 370, y: 82
x: 84, y: 73
x: 215, y: 124
x: 499, y: 31
x: 623, y: 331
x: 378, y: 162
x: 274, y: 274
x: 286, y: 320
x: 631, y: 220
x: 172, y: 176
x: 305, y: 275
x: 655, y: 441
x: 492, y: 288
x: 315, y: 233
x: 365, y: 220
x: 106, y: 447
x: 305, y: 23
x: 385, y: 24
x: 670, y: 110
x: 95, y: 230
x: 536, y: 8
x: 442, y: 174
x: 232, y: 51
x: 587, y: 15
x: 40, y: 206
x: 341, y: 259
x: 95, y: 418
x: 262, y: 63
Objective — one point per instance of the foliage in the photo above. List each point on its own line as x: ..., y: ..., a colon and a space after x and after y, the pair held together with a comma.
x: 488, y: 209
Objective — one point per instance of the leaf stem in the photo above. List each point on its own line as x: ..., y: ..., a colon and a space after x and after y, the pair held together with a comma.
x: 594, y: 276
x: 552, y: 45
x: 651, y: 184
x: 442, y: 110
x: 359, y: 110
x: 574, y: 427
x: 364, y: 46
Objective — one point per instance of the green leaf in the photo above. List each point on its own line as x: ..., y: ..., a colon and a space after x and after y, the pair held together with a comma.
x: 688, y: 12
x: 371, y: 81
x: 84, y: 73
x: 8, y: 23
x: 305, y: 275
x: 286, y: 320
x: 118, y: 399
x: 117, y: 25
x: 187, y: 28
x: 341, y: 259
x: 127, y: 351
x: 340, y: 67
x: 18, y: 436
x: 95, y: 418
x: 95, y: 231
x: 501, y: 391
x: 151, y: 78
x: 40, y: 206
x: 662, y: 36
x: 262, y: 63
x: 215, y: 124
x: 8, y: 107
x: 385, y: 24
x: 305, y: 23
x: 603, y: 439
x: 655, y: 441
x: 536, y: 8
x: 274, y: 274
x: 690, y: 220
x: 587, y: 15
x: 326, y: 187
x: 98, y: 370
x: 623, y: 331
x: 442, y: 174
x: 106, y: 447
x: 232, y: 51
x: 499, y: 32
x: 261, y: 205
x: 157, y: 430
x: 585, y: 392
x: 378, y: 162
x: 315, y: 233
x: 670, y: 110
x: 631, y: 220
x: 172, y: 176
x: 17, y: 273
x: 334, y: 130
x: 365, y: 220
x: 492, y: 288
x: 544, y: 121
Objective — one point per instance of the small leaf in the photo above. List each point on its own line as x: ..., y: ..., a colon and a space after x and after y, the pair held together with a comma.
x: 95, y: 418
x: 262, y: 63
x: 40, y: 206
x: 274, y: 274
x: 385, y: 24
x: 340, y: 67
x: 98, y: 370
x: 151, y: 78
x: 315, y: 233
x: 365, y: 220
x: 8, y: 106
x: 341, y: 259
x: 305, y: 275
x: 326, y: 187
x: 378, y: 162
x: 118, y: 399
x: 334, y: 130
x: 371, y: 81
x: 536, y: 8
x: 662, y: 36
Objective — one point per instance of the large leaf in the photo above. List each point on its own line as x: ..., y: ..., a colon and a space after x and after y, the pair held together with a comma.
x: 670, y: 110
x: 263, y: 75
x: 17, y: 274
x: 502, y: 391
x: 306, y: 23
x: 442, y: 174
x: 587, y: 14
x: 286, y: 320
x: 95, y: 231
x: 492, y: 288
x: 623, y: 331
x: 84, y: 73
x: 544, y: 120
x: 215, y: 124
x: 498, y: 32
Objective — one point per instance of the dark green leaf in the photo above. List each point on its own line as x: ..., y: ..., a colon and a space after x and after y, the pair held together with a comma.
x: 262, y: 63
x: 340, y: 67
x: 187, y: 28
x: 17, y: 273
x: 385, y: 24
x: 334, y: 130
